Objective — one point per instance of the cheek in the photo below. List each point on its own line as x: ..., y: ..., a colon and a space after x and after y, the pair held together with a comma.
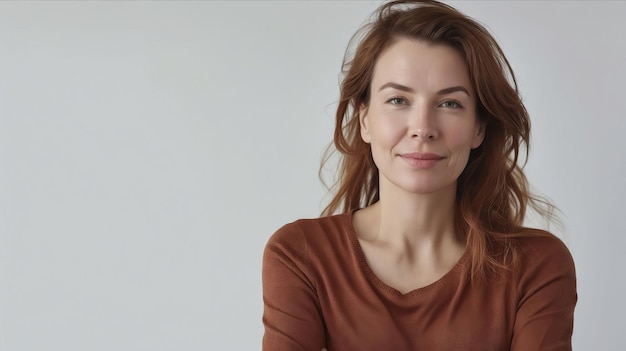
x: 459, y: 137
x: 386, y: 131
x: 459, y: 142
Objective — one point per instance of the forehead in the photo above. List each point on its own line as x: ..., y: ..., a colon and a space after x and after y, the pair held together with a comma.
x: 421, y: 65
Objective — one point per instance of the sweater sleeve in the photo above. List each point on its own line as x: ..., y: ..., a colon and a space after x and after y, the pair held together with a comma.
x: 291, y: 314
x: 547, y: 288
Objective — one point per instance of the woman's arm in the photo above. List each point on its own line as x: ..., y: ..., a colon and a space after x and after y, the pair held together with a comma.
x: 545, y: 314
x: 291, y: 315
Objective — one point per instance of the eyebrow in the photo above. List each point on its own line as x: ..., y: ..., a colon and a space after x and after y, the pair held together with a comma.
x: 411, y: 90
x: 397, y: 87
x: 453, y: 90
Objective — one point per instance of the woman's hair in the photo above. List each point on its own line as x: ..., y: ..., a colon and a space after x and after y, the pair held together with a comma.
x: 492, y: 191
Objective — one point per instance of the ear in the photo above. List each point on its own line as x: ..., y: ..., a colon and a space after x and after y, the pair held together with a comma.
x: 479, y: 135
x: 364, y: 123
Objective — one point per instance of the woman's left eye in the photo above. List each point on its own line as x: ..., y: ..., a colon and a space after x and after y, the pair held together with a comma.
x: 450, y: 104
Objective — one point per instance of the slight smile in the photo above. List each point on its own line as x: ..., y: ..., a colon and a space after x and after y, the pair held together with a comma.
x: 421, y: 160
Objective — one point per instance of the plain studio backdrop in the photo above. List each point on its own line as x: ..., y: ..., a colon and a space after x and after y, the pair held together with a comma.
x: 149, y: 149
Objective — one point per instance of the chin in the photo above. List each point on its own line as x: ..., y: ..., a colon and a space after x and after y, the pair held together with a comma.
x: 425, y: 187
x: 425, y: 190
x: 420, y: 185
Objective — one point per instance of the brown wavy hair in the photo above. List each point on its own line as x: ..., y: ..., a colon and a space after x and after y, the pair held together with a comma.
x: 492, y: 191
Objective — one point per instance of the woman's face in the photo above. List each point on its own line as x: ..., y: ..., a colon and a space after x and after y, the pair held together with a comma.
x: 421, y: 118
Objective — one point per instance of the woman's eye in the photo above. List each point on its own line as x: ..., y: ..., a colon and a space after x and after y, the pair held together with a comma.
x: 450, y: 104
x: 397, y: 101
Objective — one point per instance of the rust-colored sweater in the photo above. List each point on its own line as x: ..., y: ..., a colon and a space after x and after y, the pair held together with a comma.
x: 319, y: 292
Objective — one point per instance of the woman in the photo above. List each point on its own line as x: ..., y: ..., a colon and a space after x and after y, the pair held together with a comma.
x: 428, y: 251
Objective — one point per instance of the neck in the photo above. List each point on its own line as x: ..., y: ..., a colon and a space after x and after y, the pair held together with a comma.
x: 405, y: 219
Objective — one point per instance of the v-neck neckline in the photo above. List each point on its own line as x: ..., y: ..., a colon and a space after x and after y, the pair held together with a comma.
x: 369, y: 273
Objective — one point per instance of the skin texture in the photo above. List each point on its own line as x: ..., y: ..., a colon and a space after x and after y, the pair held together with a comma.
x: 422, y: 120
x: 421, y: 125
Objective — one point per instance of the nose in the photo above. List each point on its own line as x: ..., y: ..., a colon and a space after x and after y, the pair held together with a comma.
x: 423, y: 125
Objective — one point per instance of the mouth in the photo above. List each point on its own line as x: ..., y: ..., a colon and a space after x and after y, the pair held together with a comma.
x: 421, y: 160
x: 422, y: 156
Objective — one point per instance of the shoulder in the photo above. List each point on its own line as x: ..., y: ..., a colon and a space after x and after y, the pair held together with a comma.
x: 539, y: 247
x: 303, y: 235
x: 308, y: 230
x: 305, y: 247
x: 544, y: 259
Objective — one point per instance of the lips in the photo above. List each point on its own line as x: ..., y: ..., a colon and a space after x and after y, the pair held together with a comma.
x: 422, y: 156
x: 420, y: 160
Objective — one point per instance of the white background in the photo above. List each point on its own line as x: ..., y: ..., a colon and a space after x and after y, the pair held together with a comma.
x: 149, y: 149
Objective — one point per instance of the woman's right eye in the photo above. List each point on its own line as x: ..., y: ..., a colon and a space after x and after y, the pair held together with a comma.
x: 397, y: 101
